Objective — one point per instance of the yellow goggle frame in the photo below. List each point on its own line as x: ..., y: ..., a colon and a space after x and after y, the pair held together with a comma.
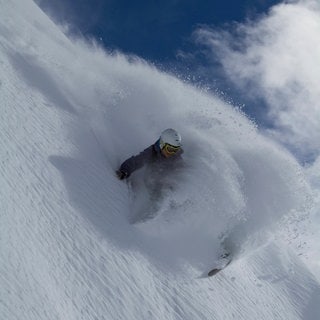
x: 168, y: 148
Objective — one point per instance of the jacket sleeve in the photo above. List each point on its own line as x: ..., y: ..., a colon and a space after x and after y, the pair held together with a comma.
x: 136, y: 162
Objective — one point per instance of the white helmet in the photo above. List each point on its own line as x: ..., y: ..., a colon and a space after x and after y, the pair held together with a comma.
x: 170, y: 136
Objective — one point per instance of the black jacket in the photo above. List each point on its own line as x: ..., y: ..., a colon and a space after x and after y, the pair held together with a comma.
x: 151, y: 155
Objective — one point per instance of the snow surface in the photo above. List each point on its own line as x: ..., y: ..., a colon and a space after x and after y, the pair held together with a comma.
x: 70, y: 114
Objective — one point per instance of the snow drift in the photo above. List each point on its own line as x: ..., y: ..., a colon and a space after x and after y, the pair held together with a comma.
x: 70, y: 114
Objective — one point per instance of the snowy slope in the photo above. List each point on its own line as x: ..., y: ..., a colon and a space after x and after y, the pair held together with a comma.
x: 70, y: 113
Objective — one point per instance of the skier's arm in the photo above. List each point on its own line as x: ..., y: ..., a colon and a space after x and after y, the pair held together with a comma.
x: 135, y: 162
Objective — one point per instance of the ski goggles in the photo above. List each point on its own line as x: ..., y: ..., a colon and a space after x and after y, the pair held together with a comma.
x: 169, y: 149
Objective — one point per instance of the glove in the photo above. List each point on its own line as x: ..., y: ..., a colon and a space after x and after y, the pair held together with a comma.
x: 122, y: 174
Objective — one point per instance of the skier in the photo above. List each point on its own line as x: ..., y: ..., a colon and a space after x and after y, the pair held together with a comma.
x: 167, y: 149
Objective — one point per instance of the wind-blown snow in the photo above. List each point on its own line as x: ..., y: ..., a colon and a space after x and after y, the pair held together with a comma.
x: 273, y: 59
x: 70, y: 114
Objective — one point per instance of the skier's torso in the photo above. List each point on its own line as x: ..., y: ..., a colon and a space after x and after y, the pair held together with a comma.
x: 153, y: 157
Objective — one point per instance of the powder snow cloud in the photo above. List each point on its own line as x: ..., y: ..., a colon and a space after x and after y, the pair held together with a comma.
x: 276, y: 58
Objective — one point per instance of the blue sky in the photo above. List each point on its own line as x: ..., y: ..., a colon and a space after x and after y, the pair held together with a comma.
x: 161, y: 32
x: 257, y: 54
x: 154, y: 30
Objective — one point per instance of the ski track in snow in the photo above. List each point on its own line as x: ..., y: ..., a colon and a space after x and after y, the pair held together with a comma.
x: 68, y: 250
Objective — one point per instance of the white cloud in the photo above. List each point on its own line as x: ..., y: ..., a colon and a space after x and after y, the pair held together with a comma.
x: 277, y: 58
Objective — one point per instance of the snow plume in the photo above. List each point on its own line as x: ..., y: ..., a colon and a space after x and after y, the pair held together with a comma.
x: 230, y: 169
x: 276, y: 58
x: 70, y: 114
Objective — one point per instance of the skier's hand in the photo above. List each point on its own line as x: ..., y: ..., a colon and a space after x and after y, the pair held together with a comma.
x: 122, y: 174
